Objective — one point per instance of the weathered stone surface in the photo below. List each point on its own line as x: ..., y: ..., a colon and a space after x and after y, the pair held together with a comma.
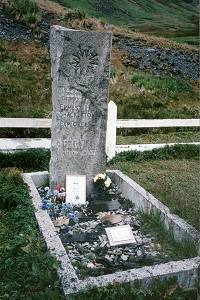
x: 80, y: 73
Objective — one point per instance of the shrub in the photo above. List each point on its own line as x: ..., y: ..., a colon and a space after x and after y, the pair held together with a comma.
x: 33, y: 159
x: 25, y: 11
x: 10, y: 193
x: 75, y: 14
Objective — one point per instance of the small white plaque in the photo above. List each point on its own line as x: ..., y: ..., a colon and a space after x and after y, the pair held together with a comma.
x: 76, y: 189
x: 120, y: 235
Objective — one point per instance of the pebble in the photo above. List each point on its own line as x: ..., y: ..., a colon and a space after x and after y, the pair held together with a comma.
x: 139, y: 253
x: 95, y: 242
x: 124, y: 257
x: 90, y: 265
x: 103, y: 244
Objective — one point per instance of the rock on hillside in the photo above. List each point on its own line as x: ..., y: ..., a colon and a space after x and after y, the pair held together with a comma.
x: 159, y: 60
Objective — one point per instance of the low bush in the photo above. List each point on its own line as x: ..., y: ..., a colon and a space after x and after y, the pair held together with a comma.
x: 27, y: 160
x: 75, y: 14
x: 25, y: 11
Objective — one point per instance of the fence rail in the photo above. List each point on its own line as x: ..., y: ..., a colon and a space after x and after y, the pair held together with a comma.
x: 121, y: 123
x: 145, y: 123
x: 112, y: 125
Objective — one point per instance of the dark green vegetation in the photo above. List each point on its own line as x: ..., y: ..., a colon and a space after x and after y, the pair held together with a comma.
x: 163, y: 18
x: 176, y: 151
x: 160, y: 83
x: 27, y: 270
x: 177, y: 250
x: 25, y: 11
x: 171, y: 175
x: 190, y: 40
x: 27, y: 160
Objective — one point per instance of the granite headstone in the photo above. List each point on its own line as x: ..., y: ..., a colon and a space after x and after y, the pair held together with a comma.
x: 80, y: 62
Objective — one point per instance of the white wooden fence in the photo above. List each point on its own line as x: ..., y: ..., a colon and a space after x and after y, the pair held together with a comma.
x: 111, y: 147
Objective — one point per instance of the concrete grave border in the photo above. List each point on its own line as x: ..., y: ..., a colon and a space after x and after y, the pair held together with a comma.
x: 186, y: 271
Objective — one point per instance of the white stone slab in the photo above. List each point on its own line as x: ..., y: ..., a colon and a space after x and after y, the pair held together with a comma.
x: 76, y: 189
x: 120, y: 235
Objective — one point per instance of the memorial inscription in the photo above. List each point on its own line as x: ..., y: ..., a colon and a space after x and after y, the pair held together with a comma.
x: 80, y: 80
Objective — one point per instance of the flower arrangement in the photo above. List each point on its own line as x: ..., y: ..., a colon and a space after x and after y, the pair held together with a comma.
x: 102, y: 185
x: 54, y: 202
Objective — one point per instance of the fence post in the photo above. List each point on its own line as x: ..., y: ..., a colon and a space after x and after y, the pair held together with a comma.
x: 111, y: 133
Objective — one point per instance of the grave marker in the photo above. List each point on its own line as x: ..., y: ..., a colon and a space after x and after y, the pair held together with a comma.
x: 120, y: 235
x: 80, y: 79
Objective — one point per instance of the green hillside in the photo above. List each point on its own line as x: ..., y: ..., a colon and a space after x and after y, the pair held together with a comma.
x: 160, y: 17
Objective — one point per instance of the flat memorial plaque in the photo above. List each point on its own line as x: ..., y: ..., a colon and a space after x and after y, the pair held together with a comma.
x: 76, y: 189
x: 120, y: 235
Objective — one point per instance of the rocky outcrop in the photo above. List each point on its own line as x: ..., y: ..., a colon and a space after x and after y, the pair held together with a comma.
x: 159, y: 60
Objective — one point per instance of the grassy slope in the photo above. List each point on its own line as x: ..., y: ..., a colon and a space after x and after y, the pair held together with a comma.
x: 164, y: 18
x: 25, y: 87
x: 174, y: 182
x: 24, y: 80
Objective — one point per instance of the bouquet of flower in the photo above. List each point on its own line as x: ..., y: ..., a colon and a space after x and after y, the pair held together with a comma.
x: 102, y: 185
x: 54, y: 203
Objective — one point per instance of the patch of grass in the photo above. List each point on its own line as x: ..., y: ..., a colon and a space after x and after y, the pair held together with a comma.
x: 150, y: 96
x: 51, y: 7
x: 191, y: 40
x: 27, y: 270
x: 184, y: 151
x: 169, y: 176
x: 156, y: 136
x: 25, y: 11
x: 25, y: 81
x: 25, y: 133
x: 26, y: 160
x: 178, y: 250
x: 160, y: 83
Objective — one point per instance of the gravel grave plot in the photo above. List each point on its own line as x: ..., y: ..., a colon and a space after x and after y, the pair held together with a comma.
x: 82, y: 232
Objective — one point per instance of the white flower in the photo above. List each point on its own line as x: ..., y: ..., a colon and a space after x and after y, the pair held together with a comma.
x: 99, y: 176
x: 107, y: 182
x: 96, y: 178
x: 102, y: 176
